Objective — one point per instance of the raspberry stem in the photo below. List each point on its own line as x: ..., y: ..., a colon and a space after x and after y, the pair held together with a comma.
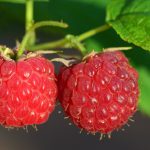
x: 34, y: 27
x: 71, y: 41
x: 29, y: 14
x: 92, y: 32
x: 30, y: 21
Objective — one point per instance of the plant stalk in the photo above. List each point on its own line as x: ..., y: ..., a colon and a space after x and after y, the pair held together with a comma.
x: 30, y: 21
x: 63, y: 42
x: 25, y: 39
x: 29, y: 14
x: 92, y: 32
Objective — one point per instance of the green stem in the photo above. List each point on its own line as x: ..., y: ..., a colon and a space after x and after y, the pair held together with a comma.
x: 92, y: 32
x: 49, y: 23
x: 63, y: 42
x: 34, y: 27
x: 30, y: 21
x: 49, y: 45
x: 29, y: 14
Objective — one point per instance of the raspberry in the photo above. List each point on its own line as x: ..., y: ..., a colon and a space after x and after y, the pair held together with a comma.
x: 100, y: 93
x: 27, y: 91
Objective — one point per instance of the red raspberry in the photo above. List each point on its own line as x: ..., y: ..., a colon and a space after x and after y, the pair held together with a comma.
x: 100, y: 93
x: 27, y: 91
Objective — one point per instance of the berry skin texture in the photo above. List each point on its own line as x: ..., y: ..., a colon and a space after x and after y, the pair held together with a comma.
x: 27, y: 91
x: 100, y: 93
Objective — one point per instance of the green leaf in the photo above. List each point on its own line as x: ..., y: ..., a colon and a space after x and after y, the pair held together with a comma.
x: 21, y: 1
x: 131, y: 20
x: 144, y: 103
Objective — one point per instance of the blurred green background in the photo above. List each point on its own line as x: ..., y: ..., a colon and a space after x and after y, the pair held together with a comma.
x: 81, y: 15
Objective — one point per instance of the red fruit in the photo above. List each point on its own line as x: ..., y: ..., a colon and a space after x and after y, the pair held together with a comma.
x: 27, y: 91
x: 100, y: 93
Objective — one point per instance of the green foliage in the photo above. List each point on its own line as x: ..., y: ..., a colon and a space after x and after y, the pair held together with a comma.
x: 131, y: 20
x: 144, y: 103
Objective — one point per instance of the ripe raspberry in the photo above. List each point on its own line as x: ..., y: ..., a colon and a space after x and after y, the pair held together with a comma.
x: 100, y: 93
x: 27, y: 91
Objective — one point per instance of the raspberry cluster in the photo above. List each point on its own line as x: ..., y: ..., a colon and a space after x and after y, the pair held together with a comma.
x: 100, y: 93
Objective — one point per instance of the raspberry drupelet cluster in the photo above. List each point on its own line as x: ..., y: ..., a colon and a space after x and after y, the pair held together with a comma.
x: 27, y: 91
x: 100, y: 93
